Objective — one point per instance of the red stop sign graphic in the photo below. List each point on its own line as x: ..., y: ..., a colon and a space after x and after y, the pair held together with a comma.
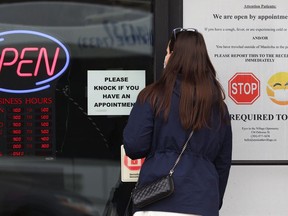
x: 133, y: 164
x: 244, y: 88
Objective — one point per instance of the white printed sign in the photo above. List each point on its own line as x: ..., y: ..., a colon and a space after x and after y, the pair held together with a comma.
x: 130, y: 169
x: 247, y: 43
x: 113, y: 92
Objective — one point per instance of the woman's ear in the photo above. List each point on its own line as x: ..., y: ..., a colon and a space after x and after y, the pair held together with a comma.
x: 166, y: 60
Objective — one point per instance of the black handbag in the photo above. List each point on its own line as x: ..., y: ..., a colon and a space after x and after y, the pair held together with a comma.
x: 153, y: 192
x: 159, y: 189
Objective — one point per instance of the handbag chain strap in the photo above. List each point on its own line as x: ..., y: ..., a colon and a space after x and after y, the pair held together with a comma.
x: 180, y: 155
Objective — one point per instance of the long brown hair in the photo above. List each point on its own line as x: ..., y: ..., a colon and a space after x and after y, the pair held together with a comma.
x: 200, y: 89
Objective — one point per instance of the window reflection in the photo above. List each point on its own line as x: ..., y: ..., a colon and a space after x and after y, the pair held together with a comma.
x: 82, y: 174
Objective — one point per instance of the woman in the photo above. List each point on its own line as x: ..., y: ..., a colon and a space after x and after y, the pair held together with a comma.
x: 187, y: 97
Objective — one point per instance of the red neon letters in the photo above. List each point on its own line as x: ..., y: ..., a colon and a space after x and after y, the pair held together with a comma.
x: 23, y: 59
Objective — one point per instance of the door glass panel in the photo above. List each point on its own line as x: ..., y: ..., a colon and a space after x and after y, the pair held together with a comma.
x: 59, y: 154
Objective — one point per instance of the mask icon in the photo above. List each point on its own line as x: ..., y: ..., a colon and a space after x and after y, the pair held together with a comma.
x: 277, y: 88
x: 279, y: 94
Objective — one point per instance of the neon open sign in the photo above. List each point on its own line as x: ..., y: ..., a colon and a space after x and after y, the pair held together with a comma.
x: 30, y: 61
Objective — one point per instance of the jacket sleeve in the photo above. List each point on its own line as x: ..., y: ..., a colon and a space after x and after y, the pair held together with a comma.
x: 223, y: 161
x: 138, y: 132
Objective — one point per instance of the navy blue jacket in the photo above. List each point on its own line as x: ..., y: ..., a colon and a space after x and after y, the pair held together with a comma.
x: 201, y: 176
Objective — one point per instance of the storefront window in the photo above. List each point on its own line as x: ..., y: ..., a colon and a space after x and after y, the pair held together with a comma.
x: 69, y: 74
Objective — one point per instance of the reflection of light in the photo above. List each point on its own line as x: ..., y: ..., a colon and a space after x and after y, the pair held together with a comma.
x: 97, y: 26
x: 77, y: 204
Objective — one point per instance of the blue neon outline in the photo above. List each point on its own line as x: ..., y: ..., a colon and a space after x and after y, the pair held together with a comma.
x: 25, y: 91
x: 43, y: 81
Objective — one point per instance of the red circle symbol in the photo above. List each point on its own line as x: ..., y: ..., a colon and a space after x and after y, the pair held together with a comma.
x: 244, y: 88
x: 133, y: 164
